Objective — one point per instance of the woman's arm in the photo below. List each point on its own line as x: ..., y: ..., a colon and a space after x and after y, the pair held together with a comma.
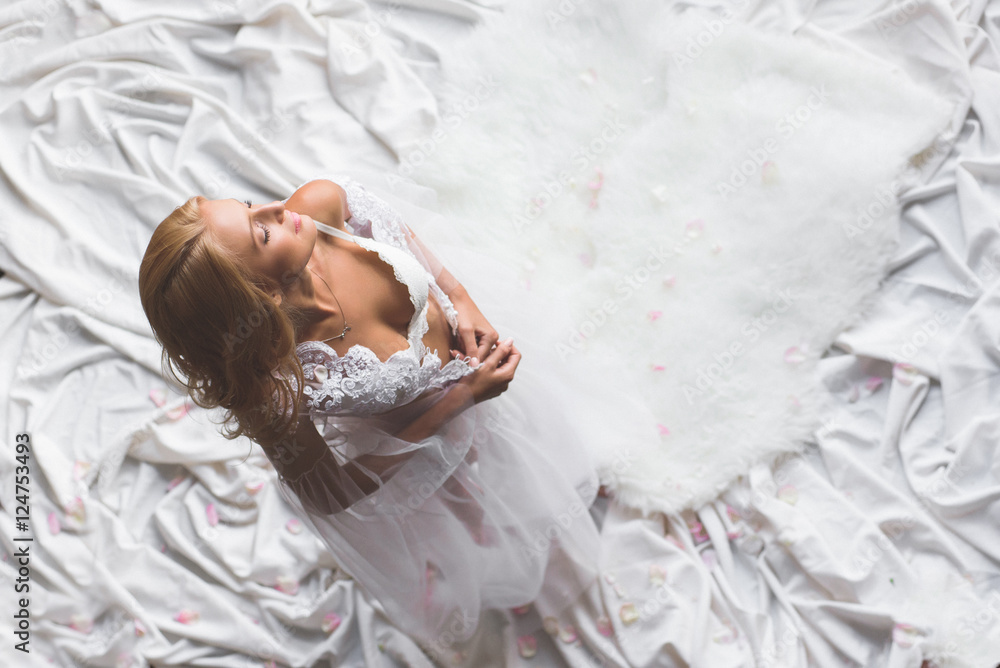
x: 326, y: 486
x: 457, y: 398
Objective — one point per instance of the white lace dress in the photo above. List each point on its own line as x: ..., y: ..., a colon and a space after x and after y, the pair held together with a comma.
x: 489, y: 512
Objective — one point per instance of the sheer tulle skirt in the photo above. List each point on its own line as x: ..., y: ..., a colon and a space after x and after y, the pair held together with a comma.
x: 493, y: 511
x: 436, y: 548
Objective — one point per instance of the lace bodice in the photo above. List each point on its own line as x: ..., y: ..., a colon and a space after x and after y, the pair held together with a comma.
x: 359, y: 383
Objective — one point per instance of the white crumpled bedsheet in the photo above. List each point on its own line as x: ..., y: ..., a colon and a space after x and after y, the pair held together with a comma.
x: 879, y: 546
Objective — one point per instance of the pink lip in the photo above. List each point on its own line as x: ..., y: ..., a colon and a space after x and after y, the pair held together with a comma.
x: 297, y: 219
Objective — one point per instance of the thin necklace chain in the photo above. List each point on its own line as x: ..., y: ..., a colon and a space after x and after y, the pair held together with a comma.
x: 347, y: 327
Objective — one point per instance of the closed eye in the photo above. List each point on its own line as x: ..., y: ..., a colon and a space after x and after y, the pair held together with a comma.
x: 267, y: 232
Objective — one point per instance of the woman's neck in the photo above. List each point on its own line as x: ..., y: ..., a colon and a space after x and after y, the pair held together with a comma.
x: 316, y: 300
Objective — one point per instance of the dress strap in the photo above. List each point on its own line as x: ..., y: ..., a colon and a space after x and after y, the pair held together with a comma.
x: 323, y: 227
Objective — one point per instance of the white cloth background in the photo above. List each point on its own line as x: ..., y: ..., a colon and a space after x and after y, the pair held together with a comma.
x: 877, y: 547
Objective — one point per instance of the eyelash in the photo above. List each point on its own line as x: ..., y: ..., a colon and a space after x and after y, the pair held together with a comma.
x: 267, y: 232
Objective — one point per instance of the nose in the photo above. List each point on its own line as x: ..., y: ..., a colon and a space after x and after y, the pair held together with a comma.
x: 277, y: 208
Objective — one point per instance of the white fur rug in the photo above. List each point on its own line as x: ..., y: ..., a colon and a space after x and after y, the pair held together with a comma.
x: 711, y: 204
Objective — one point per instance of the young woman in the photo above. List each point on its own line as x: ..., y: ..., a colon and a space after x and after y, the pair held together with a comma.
x: 336, y: 340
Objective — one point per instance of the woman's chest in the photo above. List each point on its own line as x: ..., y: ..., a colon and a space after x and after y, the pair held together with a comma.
x: 377, y: 305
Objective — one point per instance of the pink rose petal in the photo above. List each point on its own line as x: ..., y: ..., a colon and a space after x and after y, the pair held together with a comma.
x: 655, y: 315
x: 80, y: 469
x: 176, y: 481
x: 628, y: 613
x: 331, y: 621
x: 158, y: 396
x: 82, y: 623
x: 187, y: 616
x: 904, y: 635
x: 657, y: 574
x: 769, y: 173
x: 788, y: 494
x: 76, y: 510
x: 179, y: 412
x: 698, y: 532
x: 294, y: 526
x: 695, y: 228
x: 567, y: 634
x: 873, y: 383
x: 254, y: 486
x: 904, y: 373
x: 527, y: 646
x: 658, y: 367
x: 664, y: 431
x: 54, y: 526
x: 211, y: 514
x: 140, y: 628
x: 599, y: 182
x: 604, y: 626
x: 670, y: 281
x: 794, y: 355
x: 287, y: 584
x: 521, y: 610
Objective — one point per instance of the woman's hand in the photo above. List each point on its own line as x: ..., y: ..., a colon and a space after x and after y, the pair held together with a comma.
x: 476, y: 335
x: 494, y: 374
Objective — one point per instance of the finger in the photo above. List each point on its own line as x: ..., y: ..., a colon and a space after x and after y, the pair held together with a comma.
x: 487, y: 341
x: 467, y: 338
x: 512, y: 361
x: 500, y: 352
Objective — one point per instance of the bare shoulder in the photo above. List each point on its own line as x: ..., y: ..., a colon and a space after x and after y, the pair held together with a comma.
x: 321, y: 200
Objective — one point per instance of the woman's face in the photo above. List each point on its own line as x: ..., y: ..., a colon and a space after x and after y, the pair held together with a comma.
x: 274, y: 242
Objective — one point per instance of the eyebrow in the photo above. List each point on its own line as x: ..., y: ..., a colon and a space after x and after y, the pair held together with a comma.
x: 253, y: 237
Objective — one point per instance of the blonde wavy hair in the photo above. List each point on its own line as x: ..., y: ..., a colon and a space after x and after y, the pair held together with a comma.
x: 224, y: 338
